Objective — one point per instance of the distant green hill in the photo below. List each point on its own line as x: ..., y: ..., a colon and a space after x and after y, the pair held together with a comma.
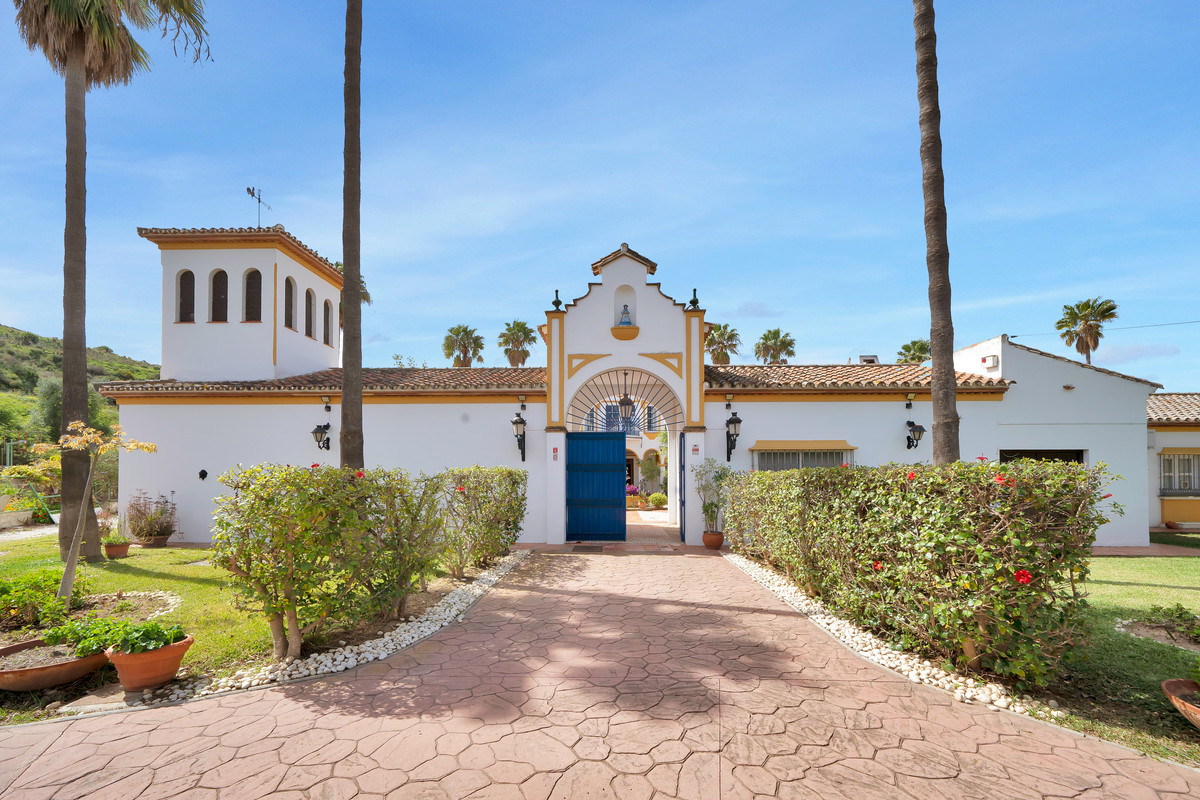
x: 25, y: 357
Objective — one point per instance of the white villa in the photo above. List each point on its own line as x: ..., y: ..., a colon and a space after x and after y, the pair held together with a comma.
x: 250, y: 354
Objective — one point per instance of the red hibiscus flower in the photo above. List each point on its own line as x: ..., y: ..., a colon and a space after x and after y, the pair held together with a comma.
x: 1022, y: 576
x: 845, y: 465
x: 878, y: 565
x: 981, y: 458
x: 314, y: 466
x: 912, y: 475
x: 359, y: 474
x: 1105, y: 497
x: 461, y: 489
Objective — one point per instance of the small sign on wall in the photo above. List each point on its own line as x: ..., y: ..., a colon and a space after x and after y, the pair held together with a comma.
x: 556, y: 454
x: 695, y: 449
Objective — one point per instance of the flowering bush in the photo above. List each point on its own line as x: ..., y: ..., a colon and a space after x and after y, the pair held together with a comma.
x: 308, y: 545
x: 978, y: 563
x: 631, y: 490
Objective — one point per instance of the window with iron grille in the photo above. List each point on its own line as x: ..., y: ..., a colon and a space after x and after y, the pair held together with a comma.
x: 1180, y: 474
x: 771, y: 460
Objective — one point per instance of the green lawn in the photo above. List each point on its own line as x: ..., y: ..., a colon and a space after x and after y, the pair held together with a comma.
x: 1176, y: 538
x: 225, y: 637
x: 1112, y: 688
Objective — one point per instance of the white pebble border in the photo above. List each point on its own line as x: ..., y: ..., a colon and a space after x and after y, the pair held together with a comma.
x: 964, y: 689
x: 171, y: 600
x: 450, y: 608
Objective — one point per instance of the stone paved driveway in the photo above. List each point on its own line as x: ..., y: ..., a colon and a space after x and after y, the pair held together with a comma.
x: 579, y: 676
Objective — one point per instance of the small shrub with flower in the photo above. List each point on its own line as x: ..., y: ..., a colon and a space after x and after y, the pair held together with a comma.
x: 976, y: 563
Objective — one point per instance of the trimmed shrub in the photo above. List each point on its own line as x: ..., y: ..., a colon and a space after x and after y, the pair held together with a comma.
x: 483, y: 510
x: 305, y: 546
x: 979, y: 564
x: 658, y: 499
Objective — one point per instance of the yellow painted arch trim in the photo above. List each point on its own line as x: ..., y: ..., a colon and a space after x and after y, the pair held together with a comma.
x: 802, y: 444
x: 577, y: 361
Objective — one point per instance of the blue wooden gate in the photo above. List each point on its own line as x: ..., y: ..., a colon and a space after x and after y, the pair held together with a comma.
x: 596, y: 487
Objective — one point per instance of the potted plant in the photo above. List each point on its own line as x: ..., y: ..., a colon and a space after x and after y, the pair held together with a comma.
x: 709, y: 476
x: 87, y: 639
x: 116, y: 545
x: 1184, y: 694
x: 147, y: 655
x: 149, y: 520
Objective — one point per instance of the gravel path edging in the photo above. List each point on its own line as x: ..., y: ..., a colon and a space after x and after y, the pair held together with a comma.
x: 918, y: 670
x: 450, y: 608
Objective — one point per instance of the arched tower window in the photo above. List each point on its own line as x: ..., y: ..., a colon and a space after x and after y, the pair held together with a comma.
x: 310, y: 300
x: 289, y: 304
x: 327, y: 338
x: 186, y: 296
x: 253, y: 297
x: 219, y: 300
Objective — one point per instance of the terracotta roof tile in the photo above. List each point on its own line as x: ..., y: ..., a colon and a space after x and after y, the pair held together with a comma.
x: 275, y: 232
x: 623, y: 250
x: 385, y: 379
x: 533, y: 379
x: 1168, y: 407
x: 835, y: 376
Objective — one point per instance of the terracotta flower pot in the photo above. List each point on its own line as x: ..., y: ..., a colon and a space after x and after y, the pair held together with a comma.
x: 1175, y: 690
x: 151, y: 669
x: 116, y: 550
x: 155, y: 541
x: 34, y: 678
x: 713, y: 540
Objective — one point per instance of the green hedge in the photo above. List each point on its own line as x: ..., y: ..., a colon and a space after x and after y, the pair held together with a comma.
x: 977, y: 563
x: 305, y: 546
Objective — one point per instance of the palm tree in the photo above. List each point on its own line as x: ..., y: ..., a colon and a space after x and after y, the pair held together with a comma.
x: 773, y: 346
x: 1082, y: 324
x: 914, y: 352
x: 722, y: 341
x: 351, y: 437
x: 937, y: 252
x: 515, y: 341
x: 90, y: 44
x: 464, y: 345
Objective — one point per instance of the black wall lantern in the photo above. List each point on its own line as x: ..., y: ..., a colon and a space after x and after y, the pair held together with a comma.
x: 518, y: 423
x: 626, y: 406
x: 733, y: 428
x: 915, y: 432
x: 321, y: 435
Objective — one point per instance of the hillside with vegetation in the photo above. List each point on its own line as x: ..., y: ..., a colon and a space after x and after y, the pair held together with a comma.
x: 31, y: 387
x: 26, y: 357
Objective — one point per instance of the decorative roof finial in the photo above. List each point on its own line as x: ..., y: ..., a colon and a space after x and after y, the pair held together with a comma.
x: 694, y: 303
x: 557, y: 303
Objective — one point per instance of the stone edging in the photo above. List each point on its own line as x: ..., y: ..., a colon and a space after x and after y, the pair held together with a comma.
x: 964, y: 689
x: 450, y: 608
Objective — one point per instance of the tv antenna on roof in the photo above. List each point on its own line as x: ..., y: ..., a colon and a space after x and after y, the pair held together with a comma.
x: 256, y: 193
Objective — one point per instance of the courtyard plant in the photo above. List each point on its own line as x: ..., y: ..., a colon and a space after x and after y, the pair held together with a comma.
x: 978, y: 564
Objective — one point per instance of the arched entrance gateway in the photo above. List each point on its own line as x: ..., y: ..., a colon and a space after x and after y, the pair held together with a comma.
x: 612, y: 420
x: 625, y: 362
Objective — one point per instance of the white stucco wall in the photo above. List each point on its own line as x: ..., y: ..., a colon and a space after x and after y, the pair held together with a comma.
x: 237, y: 350
x: 420, y: 437
x: 1101, y: 414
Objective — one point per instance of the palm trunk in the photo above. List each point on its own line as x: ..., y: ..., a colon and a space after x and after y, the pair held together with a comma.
x: 351, y: 438
x: 75, y: 484
x: 937, y: 251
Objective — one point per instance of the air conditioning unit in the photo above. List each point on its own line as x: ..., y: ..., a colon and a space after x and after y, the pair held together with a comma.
x: 868, y: 359
x: 991, y: 362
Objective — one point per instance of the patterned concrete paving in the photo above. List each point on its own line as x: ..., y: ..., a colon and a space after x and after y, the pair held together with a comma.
x: 606, y: 676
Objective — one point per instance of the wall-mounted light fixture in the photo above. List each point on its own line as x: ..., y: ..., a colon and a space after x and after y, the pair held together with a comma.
x: 909, y: 399
x: 321, y: 435
x: 915, y: 432
x: 203, y: 474
x: 518, y: 423
x: 733, y: 428
x: 325, y: 400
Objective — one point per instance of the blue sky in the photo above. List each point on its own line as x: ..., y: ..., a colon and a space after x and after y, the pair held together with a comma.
x: 765, y: 153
